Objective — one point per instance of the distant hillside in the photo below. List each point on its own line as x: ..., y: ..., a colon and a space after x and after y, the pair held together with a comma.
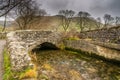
x: 54, y: 23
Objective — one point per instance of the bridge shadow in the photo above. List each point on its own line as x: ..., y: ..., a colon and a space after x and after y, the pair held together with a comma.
x: 45, y: 46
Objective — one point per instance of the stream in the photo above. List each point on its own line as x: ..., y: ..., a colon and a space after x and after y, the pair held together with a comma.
x: 68, y: 65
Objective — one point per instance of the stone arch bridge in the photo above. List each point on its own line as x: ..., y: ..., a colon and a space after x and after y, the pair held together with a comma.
x: 21, y: 42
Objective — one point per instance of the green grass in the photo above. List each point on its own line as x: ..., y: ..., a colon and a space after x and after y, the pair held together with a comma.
x: 7, y: 66
x: 13, y: 75
x: 72, y: 38
x: 0, y: 29
x: 2, y: 36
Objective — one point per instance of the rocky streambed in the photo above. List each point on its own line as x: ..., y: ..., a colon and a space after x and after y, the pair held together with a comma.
x: 67, y: 65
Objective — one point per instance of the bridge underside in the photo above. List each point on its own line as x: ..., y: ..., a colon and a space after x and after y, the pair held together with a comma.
x: 45, y: 46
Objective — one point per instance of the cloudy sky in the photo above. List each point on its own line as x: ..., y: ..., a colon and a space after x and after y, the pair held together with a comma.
x: 97, y: 8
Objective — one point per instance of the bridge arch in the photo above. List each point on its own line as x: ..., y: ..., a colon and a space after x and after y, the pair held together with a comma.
x: 45, y: 46
x: 46, y: 43
x: 22, y: 42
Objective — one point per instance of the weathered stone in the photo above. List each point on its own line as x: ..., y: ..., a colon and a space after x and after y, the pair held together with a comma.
x: 111, y: 35
x: 92, y: 48
x: 21, y: 42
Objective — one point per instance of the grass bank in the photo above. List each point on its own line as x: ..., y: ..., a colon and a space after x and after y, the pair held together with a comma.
x: 9, y: 74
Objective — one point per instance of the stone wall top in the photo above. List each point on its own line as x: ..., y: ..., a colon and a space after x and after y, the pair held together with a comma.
x: 111, y: 35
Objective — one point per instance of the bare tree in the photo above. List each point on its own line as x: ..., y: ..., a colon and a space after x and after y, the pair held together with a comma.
x: 26, y: 13
x: 98, y: 22
x: 82, y: 19
x: 5, y: 21
x: 7, y: 5
x: 117, y: 20
x: 108, y: 20
x: 66, y: 18
x: 42, y: 12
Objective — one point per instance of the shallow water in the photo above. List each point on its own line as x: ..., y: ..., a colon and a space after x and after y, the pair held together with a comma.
x: 66, y: 65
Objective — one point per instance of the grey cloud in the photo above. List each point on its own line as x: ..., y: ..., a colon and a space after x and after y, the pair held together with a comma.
x: 115, y: 7
x: 57, y: 4
x: 99, y: 8
x: 53, y: 6
x: 95, y: 7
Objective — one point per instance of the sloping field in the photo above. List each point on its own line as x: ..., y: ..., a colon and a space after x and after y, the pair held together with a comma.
x: 54, y: 23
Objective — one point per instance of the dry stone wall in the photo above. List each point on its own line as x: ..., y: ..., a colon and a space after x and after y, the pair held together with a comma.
x: 111, y: 35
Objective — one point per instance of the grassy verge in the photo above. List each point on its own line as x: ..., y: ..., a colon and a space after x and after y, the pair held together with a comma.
x: 13, y: 75
x: 3, y: 35
x: 7, y: 66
